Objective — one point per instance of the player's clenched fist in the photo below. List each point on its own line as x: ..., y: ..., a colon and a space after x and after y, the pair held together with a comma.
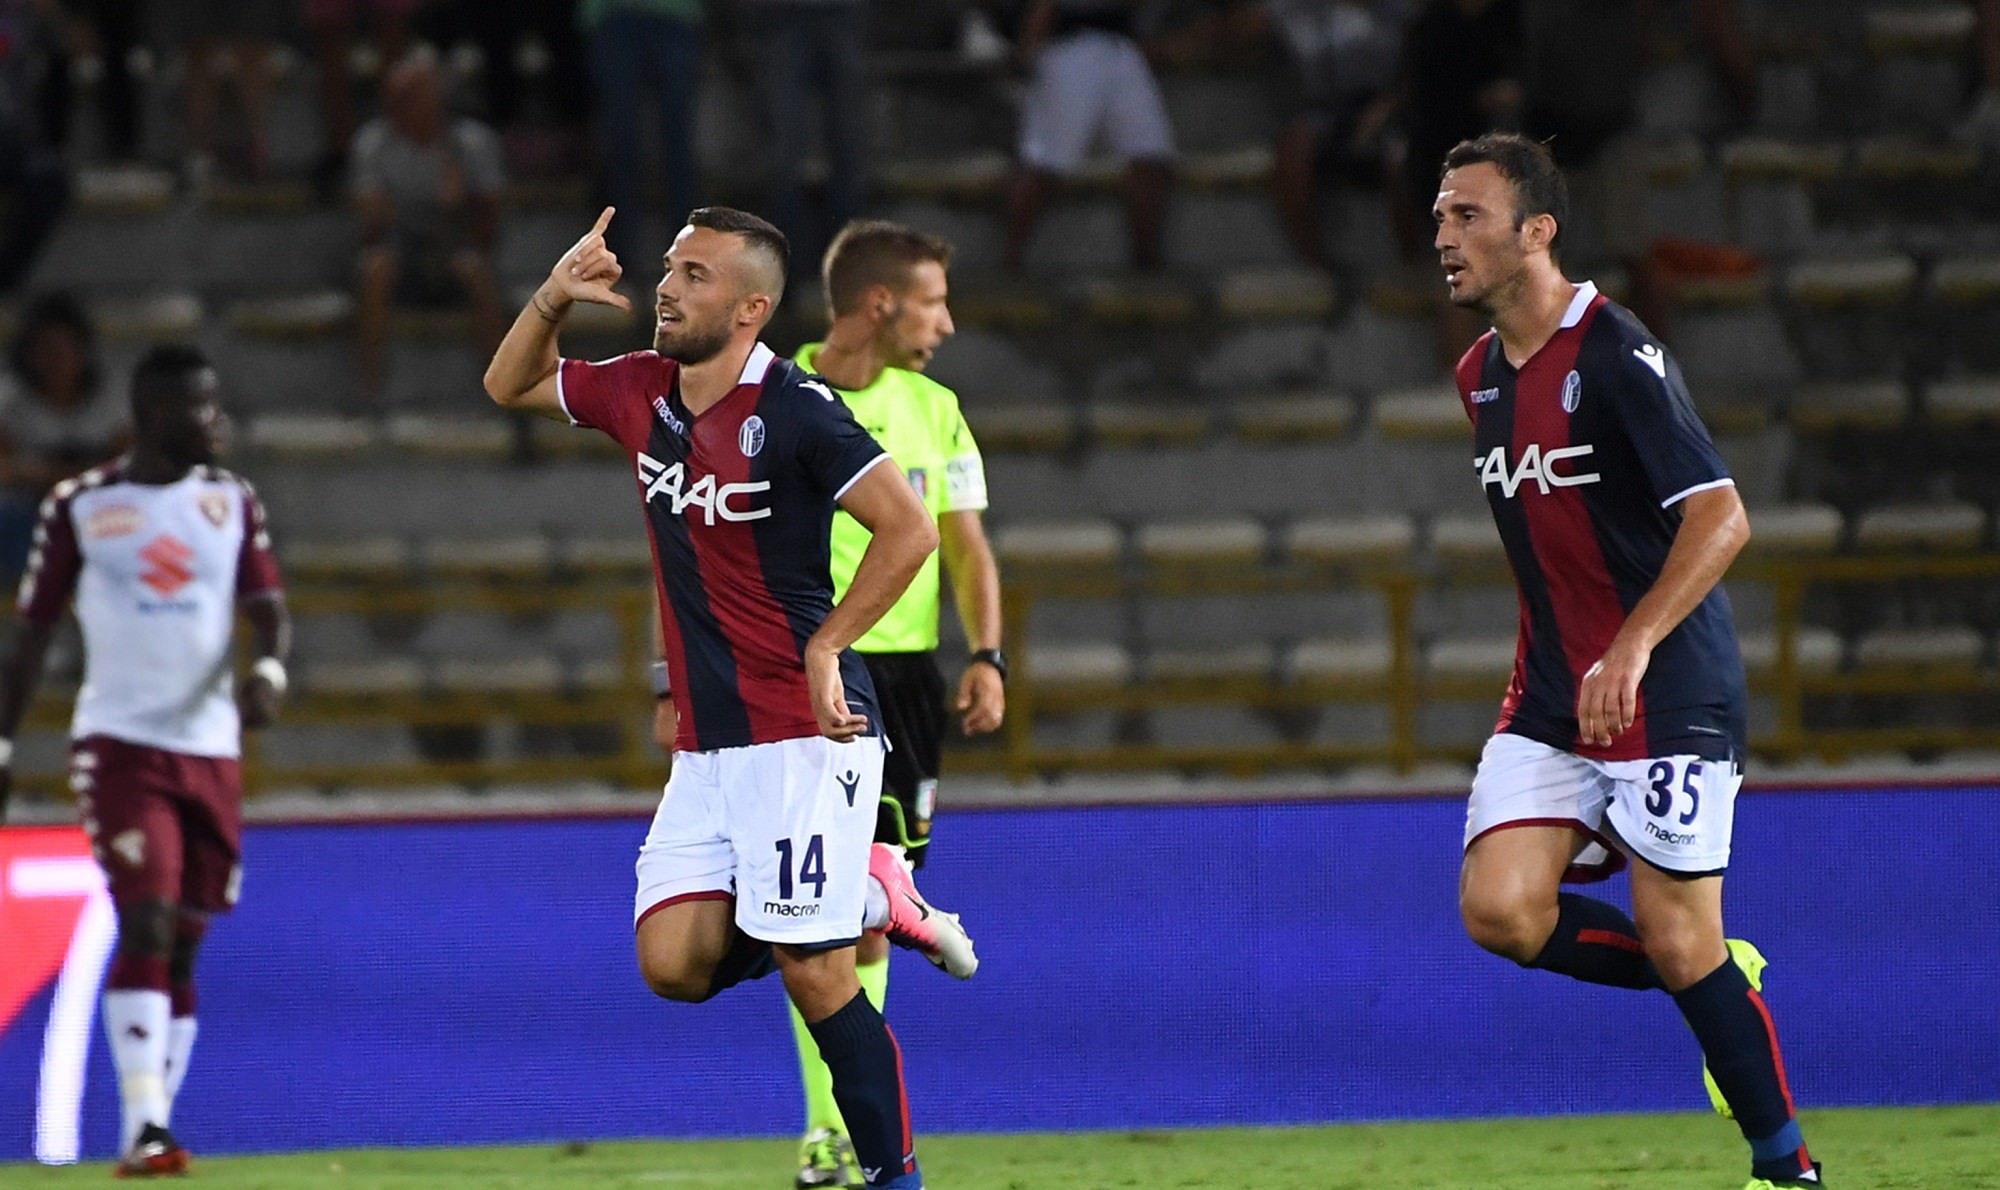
x: 588, y: 272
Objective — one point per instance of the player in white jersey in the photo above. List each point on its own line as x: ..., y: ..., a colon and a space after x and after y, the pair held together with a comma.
x: 159, y: 549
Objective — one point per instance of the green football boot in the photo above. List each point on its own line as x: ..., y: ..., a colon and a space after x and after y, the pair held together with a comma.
x: 826, y: 1159
x: 1752, y: 963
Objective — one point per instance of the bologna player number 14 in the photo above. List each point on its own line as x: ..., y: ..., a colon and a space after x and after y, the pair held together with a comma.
x: 812, y: 867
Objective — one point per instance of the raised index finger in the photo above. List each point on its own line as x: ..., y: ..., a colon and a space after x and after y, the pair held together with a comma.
x: 594, y: 235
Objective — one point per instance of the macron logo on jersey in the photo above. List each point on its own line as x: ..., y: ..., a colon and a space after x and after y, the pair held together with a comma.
x: 1535, y: 465
x: 1652, y: 357
x: 666, y: 413
x: 661, y: 480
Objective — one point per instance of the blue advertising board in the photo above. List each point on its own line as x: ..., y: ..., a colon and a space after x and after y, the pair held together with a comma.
x: 1144, y: 967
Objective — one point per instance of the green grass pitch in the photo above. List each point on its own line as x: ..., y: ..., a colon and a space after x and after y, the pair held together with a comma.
x: 1881, y: 1149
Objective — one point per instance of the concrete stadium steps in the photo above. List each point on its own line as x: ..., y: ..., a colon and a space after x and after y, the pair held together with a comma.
x: 582, y: 499
x: 1816, y: 651
x: 1858, y: 405
x: 1444, y: 611
x: 1974, y: 402
x: 1938, y: 526
x: 1222, y: 621
x: 1362, y: 474
x: 1931, y: 649
x: 1745, y: 347
x: 1799, y: 528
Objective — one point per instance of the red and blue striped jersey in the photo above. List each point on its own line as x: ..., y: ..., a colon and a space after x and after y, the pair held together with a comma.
x: 739, y: 503
x: 1585, y: 453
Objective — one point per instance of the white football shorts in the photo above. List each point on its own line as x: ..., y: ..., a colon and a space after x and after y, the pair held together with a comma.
x: 783, y: 827
x: 1675, y: 812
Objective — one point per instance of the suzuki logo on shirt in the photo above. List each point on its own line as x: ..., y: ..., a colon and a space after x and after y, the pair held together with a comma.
x: 724, y: 501
x: 1535, y: 464
x: 167, y: 570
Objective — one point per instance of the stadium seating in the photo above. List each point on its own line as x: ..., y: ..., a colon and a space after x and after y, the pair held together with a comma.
x: 1172, y: 457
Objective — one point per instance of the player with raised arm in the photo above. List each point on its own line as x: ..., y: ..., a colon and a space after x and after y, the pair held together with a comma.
x: 886, y: 288
x: 762, y: 848
x: 159, y: 549
x: 1623, y: 729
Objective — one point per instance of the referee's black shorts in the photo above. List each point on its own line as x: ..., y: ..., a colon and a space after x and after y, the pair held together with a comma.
x: 910, y: 691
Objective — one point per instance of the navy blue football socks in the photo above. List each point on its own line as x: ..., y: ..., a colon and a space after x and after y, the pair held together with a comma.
x: 1741, y: 1044
x: 867, y: 1068
x: 1597, y: 943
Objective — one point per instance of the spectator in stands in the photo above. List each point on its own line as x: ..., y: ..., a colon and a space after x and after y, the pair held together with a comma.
x: 1342, y: 57
x: 1460, y: 78
x: 1089, y: 76
x: 427, y: 186
x: 534, y: 82
x: 247, y: 33
x: 107, y: 31
x: 57, y: 417
x: 33, y: 188
x: 813, y: 56
x: 645, y: 50
x: 333, y: 25
x: 1583, y: 62
x: 1981, y: 125
x: 543, y: 115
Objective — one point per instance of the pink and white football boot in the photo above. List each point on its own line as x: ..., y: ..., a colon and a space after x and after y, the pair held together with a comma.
x: 915, y: 923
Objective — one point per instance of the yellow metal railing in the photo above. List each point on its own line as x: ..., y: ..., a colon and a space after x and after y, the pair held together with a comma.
x: 622, y: 702
x: 1405, y: 690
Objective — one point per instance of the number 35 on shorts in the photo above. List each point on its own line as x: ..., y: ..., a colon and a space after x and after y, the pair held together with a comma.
x: 1677, y: 811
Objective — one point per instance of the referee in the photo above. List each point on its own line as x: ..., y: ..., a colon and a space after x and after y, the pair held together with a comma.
x: 886, y: 290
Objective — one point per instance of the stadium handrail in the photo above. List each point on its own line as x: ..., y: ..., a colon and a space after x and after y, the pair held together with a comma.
x: 625, y: 704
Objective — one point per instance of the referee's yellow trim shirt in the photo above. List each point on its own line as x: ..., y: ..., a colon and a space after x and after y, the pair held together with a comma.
x: 918, y: 421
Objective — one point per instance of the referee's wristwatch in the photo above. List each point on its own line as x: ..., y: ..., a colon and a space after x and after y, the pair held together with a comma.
x: 992, y: 657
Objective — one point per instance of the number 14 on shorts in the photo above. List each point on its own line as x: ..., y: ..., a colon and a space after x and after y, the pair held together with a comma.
x: 811, y: 867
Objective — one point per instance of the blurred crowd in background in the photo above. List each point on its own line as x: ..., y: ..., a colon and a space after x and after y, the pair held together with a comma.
x: 429, y: 109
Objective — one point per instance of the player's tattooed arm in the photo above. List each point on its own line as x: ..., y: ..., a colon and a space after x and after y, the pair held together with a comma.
x: 262, y: 693
x: 1714, y: 529
x: 523, y: 372
x: 19, y: 676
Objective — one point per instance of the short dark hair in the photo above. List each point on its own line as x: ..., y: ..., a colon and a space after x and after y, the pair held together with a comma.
x: 53, y: 311
x: 1539, y: 186
x: 762, y: 234
x: 162, y: 375
x: 871, y: 252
